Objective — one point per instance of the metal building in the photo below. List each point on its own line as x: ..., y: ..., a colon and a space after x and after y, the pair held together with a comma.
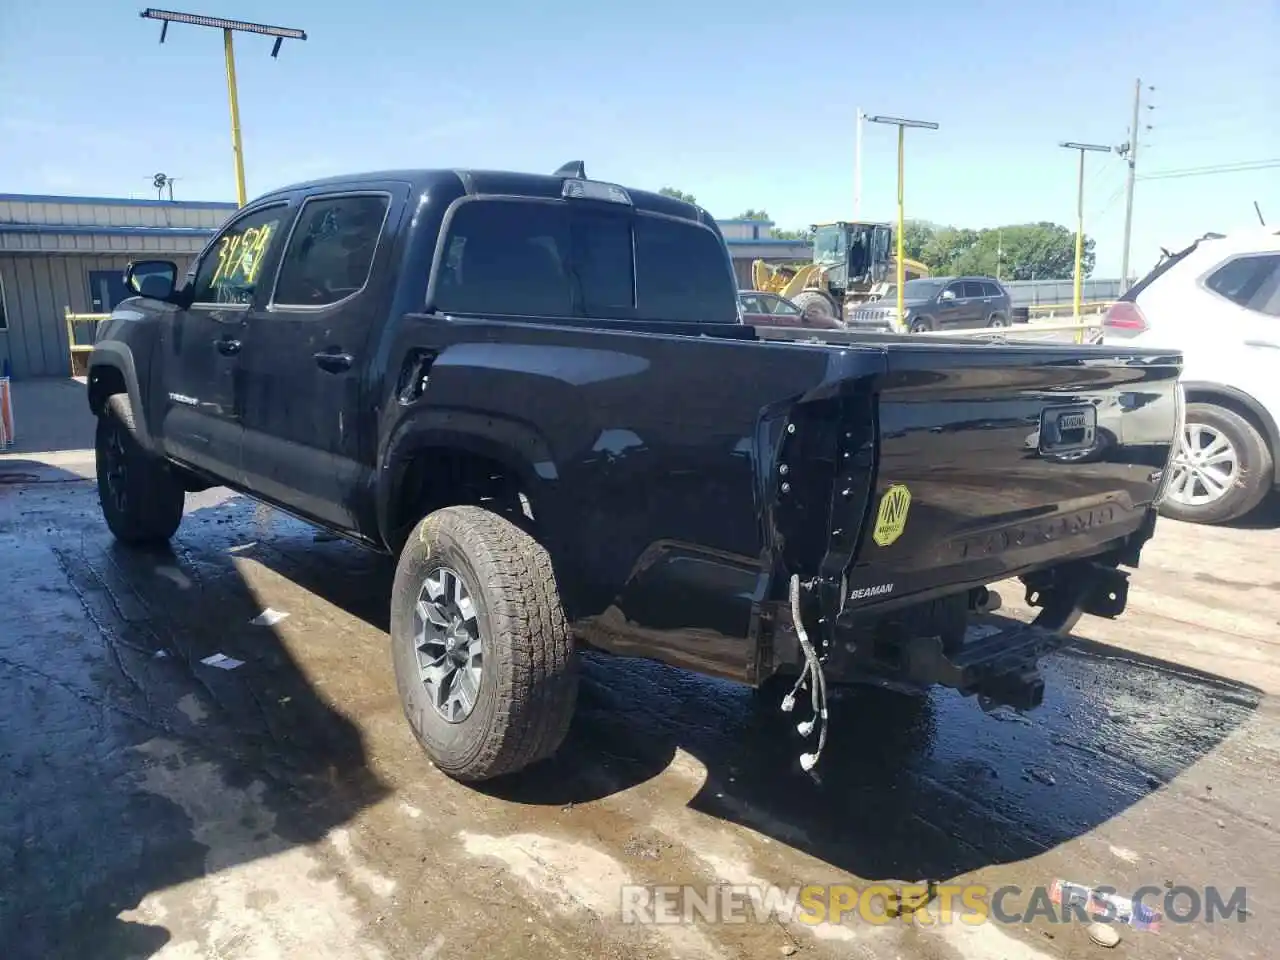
x: 750, y: 240
x: 70, y: 252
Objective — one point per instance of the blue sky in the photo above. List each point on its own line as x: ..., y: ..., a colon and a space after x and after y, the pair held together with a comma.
x: 722, y: 98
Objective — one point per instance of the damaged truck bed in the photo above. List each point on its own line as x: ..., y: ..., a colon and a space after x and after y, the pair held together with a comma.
x: 537, y: 391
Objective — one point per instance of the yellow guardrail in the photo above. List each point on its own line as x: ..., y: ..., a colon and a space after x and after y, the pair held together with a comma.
x: 81, y: 347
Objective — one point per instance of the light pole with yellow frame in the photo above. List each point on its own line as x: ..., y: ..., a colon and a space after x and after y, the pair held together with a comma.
x: 902, y: 125
x: 228, y: 27
x: 1079, y: 269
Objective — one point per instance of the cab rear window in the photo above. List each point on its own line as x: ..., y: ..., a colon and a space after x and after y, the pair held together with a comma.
x: 564, y: 259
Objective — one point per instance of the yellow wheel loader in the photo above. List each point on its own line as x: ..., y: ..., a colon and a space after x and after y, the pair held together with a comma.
x: 852, y: 263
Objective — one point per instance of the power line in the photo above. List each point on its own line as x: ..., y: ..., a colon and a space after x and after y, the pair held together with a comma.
x: 1103, y: 208
x: 1243, y: 166
x: 1099, y: 167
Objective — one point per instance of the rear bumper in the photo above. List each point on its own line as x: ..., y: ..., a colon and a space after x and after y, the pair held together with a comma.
x: 940, y: 637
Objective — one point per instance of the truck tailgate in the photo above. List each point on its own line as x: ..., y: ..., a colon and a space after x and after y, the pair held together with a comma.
x: 996, y: 460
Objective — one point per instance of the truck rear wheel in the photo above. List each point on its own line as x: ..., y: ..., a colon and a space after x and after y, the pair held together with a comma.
x: 141, y: 499
x: 482, y: 653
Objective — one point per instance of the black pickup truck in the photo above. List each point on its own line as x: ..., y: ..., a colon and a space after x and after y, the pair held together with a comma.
x: 538, y: 392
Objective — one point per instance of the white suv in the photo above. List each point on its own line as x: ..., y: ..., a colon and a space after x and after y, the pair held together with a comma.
x: 1218, y: 301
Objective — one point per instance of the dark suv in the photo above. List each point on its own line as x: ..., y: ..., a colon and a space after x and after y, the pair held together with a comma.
x: 940, y: 303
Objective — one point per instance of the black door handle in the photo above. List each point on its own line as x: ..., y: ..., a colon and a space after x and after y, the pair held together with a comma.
x: 333, y: 362
x: 227, y: 347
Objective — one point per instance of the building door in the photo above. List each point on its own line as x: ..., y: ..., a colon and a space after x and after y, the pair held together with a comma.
x: 106, y: 289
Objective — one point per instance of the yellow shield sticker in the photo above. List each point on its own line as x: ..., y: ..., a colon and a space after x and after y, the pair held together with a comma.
x: 892, y: 517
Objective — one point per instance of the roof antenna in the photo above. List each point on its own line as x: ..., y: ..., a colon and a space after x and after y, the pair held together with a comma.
x: 574, y: 168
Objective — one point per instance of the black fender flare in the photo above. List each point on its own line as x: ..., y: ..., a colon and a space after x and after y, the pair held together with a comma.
x: 1244, y: 400
x: 119, y: 357
x: 516, y: 445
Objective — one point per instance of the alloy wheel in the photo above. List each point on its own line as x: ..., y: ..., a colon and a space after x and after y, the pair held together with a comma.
x: 1205, y: 466
x: 116, y: 469
x: 449, y: 646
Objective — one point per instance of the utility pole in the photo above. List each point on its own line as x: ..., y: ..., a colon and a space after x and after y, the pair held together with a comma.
x: 857, y: 167
x: 902, y: 125
x: 1079, y: 271
x: 1130, y: 151
x: 228, y: 27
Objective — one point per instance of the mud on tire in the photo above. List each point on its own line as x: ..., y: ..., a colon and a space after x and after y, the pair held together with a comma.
x: 141, y: 499
x: 528, y: 674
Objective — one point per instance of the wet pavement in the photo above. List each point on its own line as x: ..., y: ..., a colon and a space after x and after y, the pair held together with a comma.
x: 155, y: 806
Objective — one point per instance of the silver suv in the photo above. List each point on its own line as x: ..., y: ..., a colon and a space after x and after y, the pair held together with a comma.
x: 939, y: 303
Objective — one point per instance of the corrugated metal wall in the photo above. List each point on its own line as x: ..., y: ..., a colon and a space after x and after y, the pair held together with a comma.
x: 37, y: 290
x: 1026, y: 293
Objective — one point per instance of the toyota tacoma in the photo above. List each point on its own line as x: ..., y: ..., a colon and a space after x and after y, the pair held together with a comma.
x: 538, y: 393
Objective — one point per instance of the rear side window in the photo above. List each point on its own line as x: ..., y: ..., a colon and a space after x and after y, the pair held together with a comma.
x: 682, y: 273
x: 991, y: 289
x: 331, y: 250
x: 1248, y: 281
x: 1267, y: 299
x: 507, y: 259
x: 973, y: 290
x: 523, y: 258
x: 231, y: 268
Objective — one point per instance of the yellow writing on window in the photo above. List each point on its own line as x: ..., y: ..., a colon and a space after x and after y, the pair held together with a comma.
x: 240, y: 256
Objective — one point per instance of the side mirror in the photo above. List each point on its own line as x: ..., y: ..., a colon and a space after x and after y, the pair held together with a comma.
x: 155, y: 279
x: 948, y: 295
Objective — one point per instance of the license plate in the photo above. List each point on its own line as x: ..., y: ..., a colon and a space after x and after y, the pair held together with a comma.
x: 1068, y: 429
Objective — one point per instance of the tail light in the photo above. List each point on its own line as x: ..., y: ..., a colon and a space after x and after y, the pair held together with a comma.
x: 1124, y: 315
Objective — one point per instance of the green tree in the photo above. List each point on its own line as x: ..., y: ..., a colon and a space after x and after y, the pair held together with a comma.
x: 916, y: 235
x: 678, y: 194
x: 805, y: 235
x: 948, y: 247
x: 753, y: 214
x: 1028, y: 251
x: 1038, y: 251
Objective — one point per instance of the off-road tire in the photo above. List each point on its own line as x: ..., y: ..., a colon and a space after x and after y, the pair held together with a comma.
x: 529, y: 679
x: 141, y: 498
x: 815, y: 305
x: 1256, y: 468
x: 921, y: 325
x: 997, y: 320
